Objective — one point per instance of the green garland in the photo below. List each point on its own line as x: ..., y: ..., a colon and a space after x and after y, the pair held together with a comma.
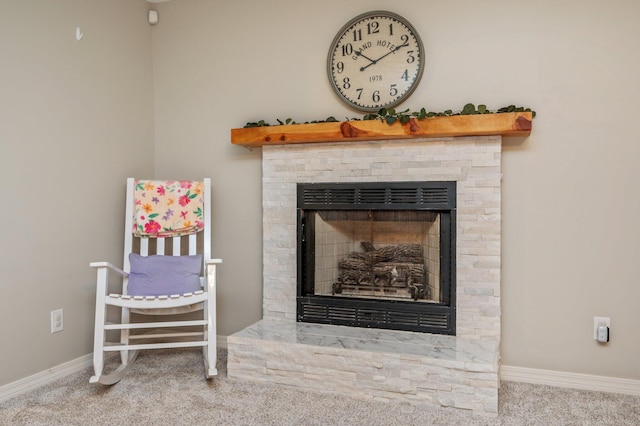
x: 390, y: 116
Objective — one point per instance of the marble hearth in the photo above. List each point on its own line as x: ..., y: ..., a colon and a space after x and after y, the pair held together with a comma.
x: 396, y: 366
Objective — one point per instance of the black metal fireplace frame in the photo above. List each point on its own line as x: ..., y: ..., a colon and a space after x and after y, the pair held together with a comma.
x: 439, y: 197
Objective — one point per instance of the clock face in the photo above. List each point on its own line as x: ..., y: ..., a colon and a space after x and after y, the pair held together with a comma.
x: 375, y: 61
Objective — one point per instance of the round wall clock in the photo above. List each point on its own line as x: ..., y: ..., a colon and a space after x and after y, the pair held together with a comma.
x: 375, y: 61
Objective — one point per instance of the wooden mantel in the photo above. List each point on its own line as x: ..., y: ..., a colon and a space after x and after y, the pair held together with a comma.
x: 503, y: 124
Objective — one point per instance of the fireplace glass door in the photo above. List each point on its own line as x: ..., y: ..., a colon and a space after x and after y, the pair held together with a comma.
x: 386, y: 262
x: 386, y: 255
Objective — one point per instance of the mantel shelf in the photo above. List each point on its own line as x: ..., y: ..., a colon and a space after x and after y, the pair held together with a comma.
x: 502, y: 124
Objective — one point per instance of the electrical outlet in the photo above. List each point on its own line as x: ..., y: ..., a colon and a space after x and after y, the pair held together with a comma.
x: 600, y: 321
x: 57, y: 321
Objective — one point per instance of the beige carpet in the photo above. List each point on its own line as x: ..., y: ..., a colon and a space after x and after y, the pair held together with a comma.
x: 168, y: 388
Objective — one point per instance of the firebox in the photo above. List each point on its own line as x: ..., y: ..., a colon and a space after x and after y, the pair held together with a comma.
x: 377, y: 254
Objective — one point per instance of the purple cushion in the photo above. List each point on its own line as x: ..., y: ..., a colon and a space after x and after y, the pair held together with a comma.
x: 164, y: 275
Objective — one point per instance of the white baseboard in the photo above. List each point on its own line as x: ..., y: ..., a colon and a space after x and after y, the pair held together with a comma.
x: 44, y: 377
x: 570, y: 380
x: 221, y: 341
x: 37, y: 380
x: 507, y: 372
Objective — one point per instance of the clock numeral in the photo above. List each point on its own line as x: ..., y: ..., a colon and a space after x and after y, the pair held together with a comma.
x: 392, y: 90
x: 373, y: 28
x: 347, y: 49
x: 359, y: 94
x: 390, y: 29
x: 405, y: 75
x: 411, y: 59
x: 404, y: 38
x: 357, y: 35
x: 376, y: 96
x: 340, y: 67
x: 346, y: 84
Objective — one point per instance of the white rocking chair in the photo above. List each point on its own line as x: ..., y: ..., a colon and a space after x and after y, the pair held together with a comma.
x: 183, y: 253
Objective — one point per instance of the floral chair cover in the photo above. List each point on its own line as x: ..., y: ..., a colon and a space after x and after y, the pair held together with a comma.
x: 167, y: 208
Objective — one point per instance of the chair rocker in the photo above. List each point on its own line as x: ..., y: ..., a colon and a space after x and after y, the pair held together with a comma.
x: 167, y: 271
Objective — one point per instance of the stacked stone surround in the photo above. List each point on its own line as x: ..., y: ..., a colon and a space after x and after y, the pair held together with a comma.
x: 475, y: 164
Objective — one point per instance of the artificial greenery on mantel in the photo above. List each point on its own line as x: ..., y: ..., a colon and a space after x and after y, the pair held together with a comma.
x: 390, y: 115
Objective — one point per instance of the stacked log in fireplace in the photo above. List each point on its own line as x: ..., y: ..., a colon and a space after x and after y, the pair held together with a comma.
x: 392, y: 271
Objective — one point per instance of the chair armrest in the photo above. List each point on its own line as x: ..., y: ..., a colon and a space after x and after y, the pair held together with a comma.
x: 109, y: 266
x: 212, y: 261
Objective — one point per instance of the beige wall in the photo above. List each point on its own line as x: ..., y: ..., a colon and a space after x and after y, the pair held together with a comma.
x: 567, y: 257
x: 94, y: 109
x: 76, y: 118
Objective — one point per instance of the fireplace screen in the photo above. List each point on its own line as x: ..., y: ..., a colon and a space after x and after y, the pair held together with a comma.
x: 390, y: 255
x: 377, y: 255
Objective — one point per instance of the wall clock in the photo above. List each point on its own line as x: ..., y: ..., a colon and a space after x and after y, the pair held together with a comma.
x: 375, y: 61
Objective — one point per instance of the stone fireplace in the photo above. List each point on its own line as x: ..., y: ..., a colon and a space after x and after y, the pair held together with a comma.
x: 458, y: 369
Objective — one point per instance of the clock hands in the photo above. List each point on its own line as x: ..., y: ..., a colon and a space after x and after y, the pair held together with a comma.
x: 391, y: 51
x: 375, y: 61
x: 367, y: 58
